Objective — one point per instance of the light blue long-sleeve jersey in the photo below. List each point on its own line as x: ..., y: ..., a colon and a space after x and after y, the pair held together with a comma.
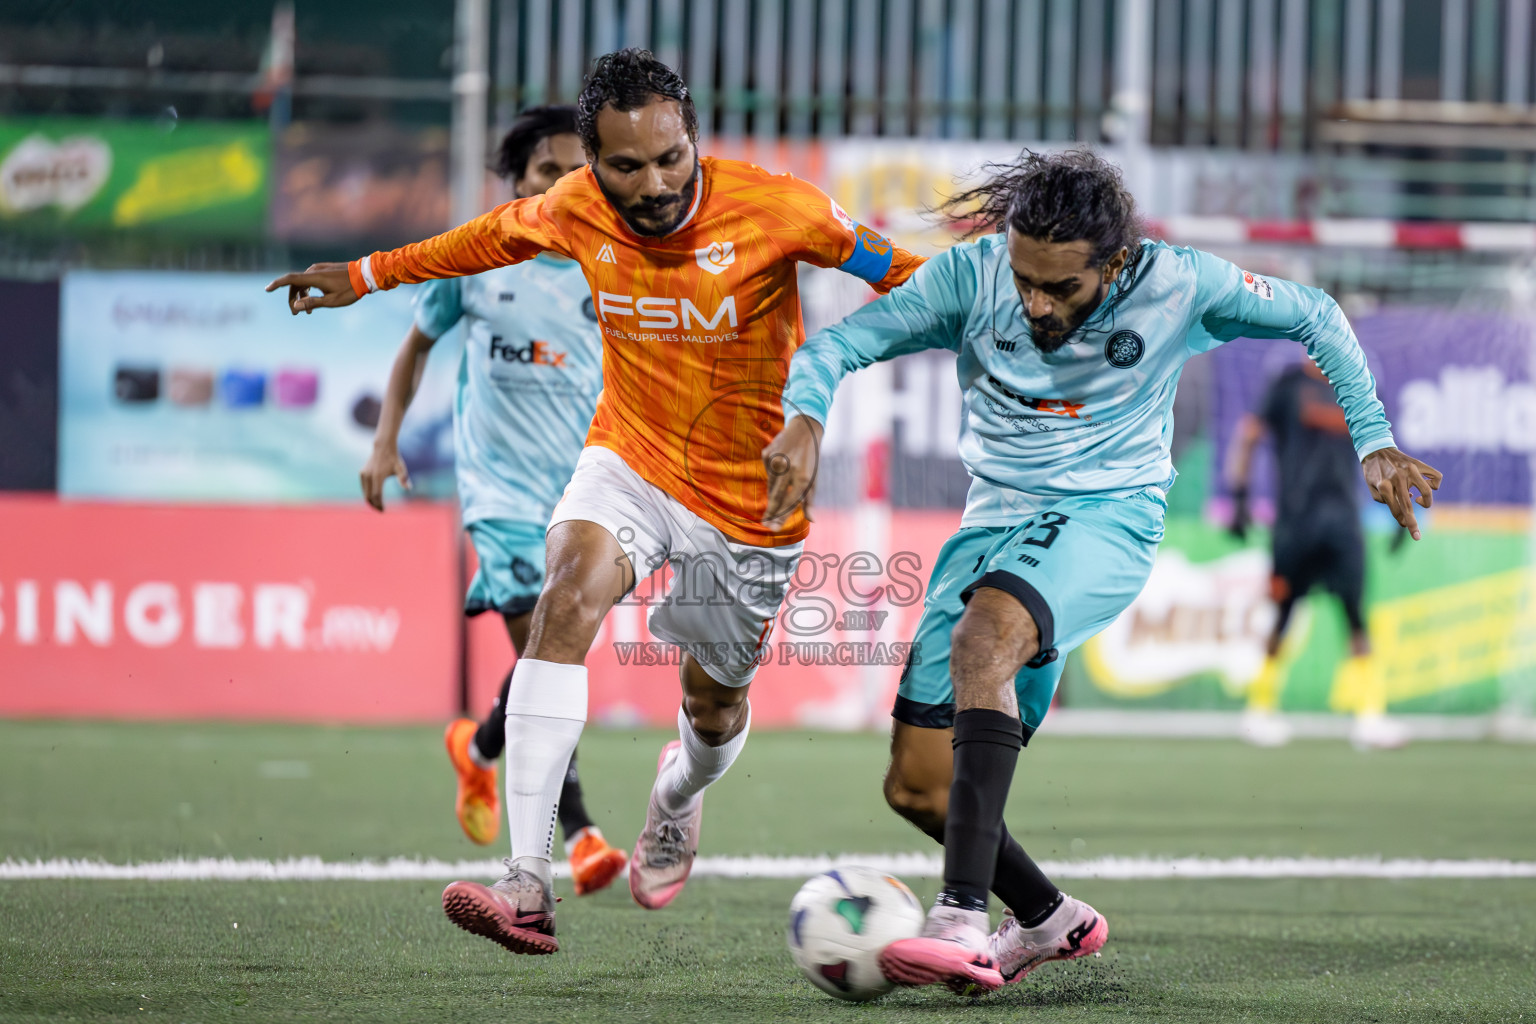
x: 528, y: 382
x: 1096, y: 416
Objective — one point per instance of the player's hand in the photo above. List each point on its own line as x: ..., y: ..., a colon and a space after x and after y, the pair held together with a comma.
x: 1393, y: 476
x: 791, y: 460
x: 331, y: 279
x: 1241, y: 518
x: 384, y: 463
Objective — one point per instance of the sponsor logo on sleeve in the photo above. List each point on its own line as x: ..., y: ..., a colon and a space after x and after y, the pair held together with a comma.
x: 716, y: 256
x: 1259, y: 286
x: 843, y: 218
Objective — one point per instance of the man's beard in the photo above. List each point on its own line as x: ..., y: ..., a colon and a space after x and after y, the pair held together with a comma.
x: 673, y: 208
x: 1049, y: 333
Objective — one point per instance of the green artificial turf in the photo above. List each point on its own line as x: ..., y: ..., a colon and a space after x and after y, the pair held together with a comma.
x: 1323, y: 950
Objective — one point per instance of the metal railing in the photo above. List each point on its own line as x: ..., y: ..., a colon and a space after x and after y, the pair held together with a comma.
x: 1394, y: 108
x: 1241, y: 73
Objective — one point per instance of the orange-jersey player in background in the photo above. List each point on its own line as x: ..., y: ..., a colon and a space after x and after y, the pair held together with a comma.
x: 692, y: 268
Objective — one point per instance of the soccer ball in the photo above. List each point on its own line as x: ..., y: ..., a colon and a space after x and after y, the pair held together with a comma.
x: 840, y: 921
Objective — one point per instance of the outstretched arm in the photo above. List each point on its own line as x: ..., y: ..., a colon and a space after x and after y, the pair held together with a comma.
x: 511, y: 233
x: 1239, y: 304
x: 927, y: 312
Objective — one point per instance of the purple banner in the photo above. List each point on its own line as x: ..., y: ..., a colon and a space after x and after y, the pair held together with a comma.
x: 1456, y: 385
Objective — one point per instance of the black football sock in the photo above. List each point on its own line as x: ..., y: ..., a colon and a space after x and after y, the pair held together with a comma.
x: 1017, y: 880
x: 1021, y: 885
x: 572, y: 811
x: 987, y: 745
x: 491, y: 737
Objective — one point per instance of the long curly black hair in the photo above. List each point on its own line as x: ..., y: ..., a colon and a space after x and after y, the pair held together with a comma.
x: 627, y: 80
x: 1058, y: 197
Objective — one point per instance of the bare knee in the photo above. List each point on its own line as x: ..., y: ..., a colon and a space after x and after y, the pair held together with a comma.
x: 917, y: 782
x: 566, y: 617
x: 716, y: 712
x: 924, y: 806
x: 585, y: 573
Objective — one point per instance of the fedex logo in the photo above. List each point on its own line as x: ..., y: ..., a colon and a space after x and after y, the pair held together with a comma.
x: 1055, y: 406
x: 664, y: 314
x: 536, y: 352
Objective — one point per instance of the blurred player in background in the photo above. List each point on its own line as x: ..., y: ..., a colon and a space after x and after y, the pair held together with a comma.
x: 527, y: 387
x: 692, y: 266
x: 1317, y: 541
x: 1071, y: 331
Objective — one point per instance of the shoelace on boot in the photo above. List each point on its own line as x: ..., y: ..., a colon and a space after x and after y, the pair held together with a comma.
x: 670, y: 846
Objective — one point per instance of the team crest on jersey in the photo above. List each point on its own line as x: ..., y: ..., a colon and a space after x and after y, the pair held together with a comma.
x: 716, y: 256
x: 605, y: 254
x: 1259, y: 286
x: 1124, y: 349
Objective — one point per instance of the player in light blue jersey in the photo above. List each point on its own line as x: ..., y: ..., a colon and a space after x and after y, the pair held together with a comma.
x: 1071, y: 331
x: 527, y: 387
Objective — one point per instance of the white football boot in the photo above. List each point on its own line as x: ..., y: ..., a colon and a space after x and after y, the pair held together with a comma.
x: 664, y: 853
x: 1074, y: 929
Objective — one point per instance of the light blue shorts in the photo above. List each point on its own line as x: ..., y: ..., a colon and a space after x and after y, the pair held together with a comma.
x: 511, y: 572
x: 1075, y: 567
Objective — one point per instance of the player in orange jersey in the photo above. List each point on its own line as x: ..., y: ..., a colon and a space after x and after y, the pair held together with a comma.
x: 692, y: 267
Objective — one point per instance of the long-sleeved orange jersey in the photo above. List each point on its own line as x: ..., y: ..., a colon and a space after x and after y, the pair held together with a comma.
x: 698, y: 326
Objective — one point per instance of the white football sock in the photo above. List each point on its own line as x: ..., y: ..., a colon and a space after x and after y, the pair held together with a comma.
x: 546, y: 709
x: 697, y: 764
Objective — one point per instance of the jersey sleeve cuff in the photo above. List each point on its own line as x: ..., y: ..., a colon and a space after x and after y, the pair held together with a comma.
x: 360, y: 272
x: 1367, y: 447
x: 872, y: 256
x: 798, y: 402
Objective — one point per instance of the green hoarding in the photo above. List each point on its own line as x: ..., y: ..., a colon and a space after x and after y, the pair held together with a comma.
x: 1452, y: 621
x: 89, y: 176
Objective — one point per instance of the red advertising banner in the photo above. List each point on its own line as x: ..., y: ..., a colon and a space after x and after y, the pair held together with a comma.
x: 330, y: 613
x: 835, y: 654
x: 295, y: 614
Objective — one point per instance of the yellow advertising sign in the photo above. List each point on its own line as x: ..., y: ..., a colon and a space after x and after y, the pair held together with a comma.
x: 1451, y: 636
x: 189, y: 180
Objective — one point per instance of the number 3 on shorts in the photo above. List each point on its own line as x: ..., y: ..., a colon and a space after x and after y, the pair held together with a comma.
x: 1050, y: 525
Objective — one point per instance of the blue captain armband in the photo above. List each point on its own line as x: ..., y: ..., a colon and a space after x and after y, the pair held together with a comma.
x: 872, y: 252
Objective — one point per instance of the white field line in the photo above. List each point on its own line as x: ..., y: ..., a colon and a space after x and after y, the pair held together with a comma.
x: 397, y: 869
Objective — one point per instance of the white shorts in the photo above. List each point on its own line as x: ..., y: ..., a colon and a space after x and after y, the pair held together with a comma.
x: 724, y: 595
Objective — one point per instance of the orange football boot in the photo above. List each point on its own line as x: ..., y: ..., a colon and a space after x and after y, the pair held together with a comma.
x: 477, y: 805
x: 594, y: 864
